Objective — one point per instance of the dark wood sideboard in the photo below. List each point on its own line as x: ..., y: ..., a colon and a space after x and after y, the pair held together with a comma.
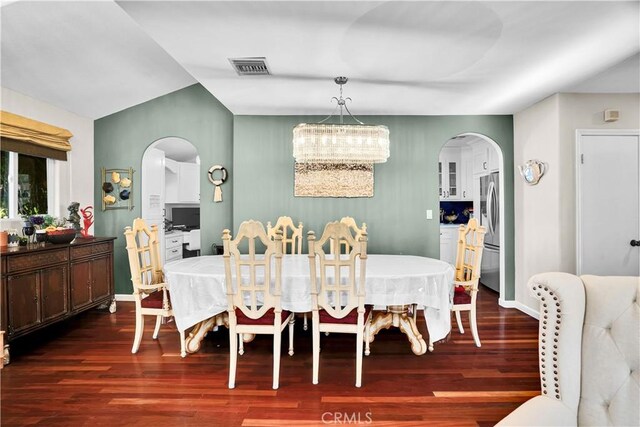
x: 47, y: 283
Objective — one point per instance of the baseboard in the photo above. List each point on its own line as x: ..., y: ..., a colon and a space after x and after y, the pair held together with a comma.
x: 124, y: 297
x: 519, y: 306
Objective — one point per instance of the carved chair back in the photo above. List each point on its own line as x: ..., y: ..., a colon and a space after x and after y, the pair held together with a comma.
x: 337, y: 280
x: 248, y: 276
x: 144, y: 258
x: 291, y: 235
x: 355, y: 230
x: 469, y: 254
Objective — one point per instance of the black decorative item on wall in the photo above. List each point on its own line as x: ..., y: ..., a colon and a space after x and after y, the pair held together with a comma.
x: 117, y: 189
x: 217, y: 182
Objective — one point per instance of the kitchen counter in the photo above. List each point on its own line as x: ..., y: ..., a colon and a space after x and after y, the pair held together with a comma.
x: 443, y: 225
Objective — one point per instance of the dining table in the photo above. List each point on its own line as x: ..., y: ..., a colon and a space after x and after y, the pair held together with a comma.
x: 394, y: 284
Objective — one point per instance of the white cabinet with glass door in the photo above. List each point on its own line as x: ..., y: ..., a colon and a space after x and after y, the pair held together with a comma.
x: 455, y: 174
x: 449, y: 174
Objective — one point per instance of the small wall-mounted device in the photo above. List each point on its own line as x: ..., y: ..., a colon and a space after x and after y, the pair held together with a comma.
x: 611, y: 115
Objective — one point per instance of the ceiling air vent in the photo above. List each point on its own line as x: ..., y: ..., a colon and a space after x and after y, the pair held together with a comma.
x: 250, y: 66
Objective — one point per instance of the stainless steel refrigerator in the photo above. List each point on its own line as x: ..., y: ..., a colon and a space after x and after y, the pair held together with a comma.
x: 490, y: 218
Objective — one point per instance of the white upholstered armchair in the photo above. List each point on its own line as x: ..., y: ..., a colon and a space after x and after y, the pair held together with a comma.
x: 589, y: 345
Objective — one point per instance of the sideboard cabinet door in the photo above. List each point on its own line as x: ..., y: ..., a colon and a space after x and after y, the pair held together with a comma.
x: 80, y: 284
x: 23, y: 293
x: 100, y: 277
x: 54, y: 292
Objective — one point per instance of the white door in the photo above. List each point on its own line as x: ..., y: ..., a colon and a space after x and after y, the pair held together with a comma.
x: 608, y: 204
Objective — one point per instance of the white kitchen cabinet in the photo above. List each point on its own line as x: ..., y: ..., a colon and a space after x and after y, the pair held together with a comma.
x: 480, y: 161
x: 171, y: 177
x: 182, y: 182
x: 466, y: 174
x: 449, y: 174
x: 448, y: 243
x: 173, y: 246
x: 485, y: 159
x: 189, y: 183
x: 493, y: 161
x: 455, y: 174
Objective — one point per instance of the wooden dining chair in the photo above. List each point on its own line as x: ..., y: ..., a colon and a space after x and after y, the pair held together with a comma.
x: 291, y: 235
x: 253, y: 301
x: 149, y: 289
x: 467, y: 275
x: 338, y: 295
x: 355, y: 231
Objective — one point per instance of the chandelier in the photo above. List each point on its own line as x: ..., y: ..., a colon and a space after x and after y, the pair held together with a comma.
x: 340, y: 143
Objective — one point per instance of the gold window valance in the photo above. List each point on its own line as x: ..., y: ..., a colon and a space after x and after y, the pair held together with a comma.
x: 27, y: 136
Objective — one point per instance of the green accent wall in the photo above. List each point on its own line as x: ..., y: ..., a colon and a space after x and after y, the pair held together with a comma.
x: 405, y: 186
x: 257, y: 153
x: 121, y: 139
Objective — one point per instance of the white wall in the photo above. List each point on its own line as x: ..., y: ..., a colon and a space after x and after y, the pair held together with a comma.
x: 545, y: 214
x: 535, y: 136
x: 75, y: 176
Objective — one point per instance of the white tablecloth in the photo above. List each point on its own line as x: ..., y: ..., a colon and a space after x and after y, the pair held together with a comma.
x: 198, y: 290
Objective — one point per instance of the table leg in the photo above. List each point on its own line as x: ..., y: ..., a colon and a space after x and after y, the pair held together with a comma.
x: 197, y: 334
x: 398, y: 316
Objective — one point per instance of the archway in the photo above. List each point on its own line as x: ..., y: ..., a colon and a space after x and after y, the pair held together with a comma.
x: 469, y: 163
x: 171, y: 189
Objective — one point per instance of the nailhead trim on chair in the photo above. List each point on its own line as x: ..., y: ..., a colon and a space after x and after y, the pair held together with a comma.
x: 551, y: 319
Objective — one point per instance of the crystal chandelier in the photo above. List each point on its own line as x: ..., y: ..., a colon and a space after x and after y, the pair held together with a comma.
x: 340, y: 143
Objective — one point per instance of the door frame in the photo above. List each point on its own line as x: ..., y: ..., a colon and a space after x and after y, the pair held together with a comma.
x: 501, y: 211
x: 580, y: 133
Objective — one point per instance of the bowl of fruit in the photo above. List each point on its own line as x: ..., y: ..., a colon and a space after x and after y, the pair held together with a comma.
x: 60, y: 235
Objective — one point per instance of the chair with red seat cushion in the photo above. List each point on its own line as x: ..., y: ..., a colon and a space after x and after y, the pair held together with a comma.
x: 338, y: 295
x: 468, y: 260
x: 291, y: 242
x: 149, y: 290
x: 253, y: 294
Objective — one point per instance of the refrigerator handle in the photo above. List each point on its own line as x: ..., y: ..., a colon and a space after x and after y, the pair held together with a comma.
x: 494, y: 208
x: 490, y: 192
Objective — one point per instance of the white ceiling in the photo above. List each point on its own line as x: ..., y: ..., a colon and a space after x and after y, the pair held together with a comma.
x: 409, y: 58
x: 89, y: 58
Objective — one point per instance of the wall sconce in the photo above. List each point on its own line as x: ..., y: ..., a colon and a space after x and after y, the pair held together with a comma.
x: 532, y: 171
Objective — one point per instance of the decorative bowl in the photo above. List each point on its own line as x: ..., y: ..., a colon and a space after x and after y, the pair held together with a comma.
x: 451, y: 217
x: 61, y: 236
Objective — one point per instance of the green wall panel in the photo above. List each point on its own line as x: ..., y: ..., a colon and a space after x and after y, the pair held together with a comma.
x: 257, y: 152
x: 405, y: 186
x: 191, y: 113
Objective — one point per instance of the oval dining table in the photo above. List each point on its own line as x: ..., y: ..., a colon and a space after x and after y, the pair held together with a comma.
x: 393, y: 283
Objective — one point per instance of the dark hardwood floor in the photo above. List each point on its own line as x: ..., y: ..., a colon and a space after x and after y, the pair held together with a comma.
x: 82, y: 372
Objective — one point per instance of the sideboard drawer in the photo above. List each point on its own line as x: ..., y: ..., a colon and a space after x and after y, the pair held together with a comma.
x: 89, y: 250
x: 36, y: 260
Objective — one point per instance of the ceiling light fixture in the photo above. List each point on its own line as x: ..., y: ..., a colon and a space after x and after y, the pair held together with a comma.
x: 340, y: 143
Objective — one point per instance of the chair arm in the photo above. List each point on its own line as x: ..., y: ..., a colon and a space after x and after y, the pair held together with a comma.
x: 541, y: 411
x: 562, y: 307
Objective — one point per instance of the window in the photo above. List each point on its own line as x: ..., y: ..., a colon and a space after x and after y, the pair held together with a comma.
x: 23, y: 184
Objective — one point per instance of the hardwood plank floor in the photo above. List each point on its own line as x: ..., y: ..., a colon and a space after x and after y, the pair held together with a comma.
x: 82, y: 372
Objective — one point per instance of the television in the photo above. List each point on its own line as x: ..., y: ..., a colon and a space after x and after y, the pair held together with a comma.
x: 187, y: 217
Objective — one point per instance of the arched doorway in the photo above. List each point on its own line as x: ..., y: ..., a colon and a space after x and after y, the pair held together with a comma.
x: 171, y: 195
x: 471, y: 184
